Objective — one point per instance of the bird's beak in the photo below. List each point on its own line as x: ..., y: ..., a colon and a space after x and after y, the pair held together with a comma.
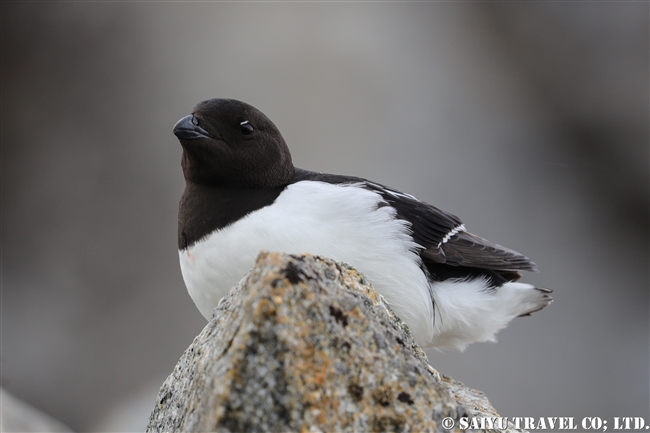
x: 187, y: 129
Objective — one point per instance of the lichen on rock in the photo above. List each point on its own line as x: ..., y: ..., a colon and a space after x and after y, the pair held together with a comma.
x: 303, y: 343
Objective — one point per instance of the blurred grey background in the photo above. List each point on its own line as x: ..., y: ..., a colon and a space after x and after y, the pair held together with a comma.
x: 527, y: 120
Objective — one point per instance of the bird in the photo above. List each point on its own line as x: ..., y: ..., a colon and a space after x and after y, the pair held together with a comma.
x: 243, y: 195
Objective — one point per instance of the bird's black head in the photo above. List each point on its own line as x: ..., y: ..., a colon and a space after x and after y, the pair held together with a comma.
x: 230, y: 143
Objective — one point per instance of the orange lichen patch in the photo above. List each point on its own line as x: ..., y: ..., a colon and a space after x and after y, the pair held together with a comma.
x: 320, y: 377
x: 321, y: 369
x: 305, y: 293
x: 355, y: 313
x: 313, y: 367
x: 263, y: 309
x: 283, y: 320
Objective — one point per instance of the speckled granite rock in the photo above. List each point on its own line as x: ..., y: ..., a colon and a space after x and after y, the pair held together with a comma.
x: 303, y: 343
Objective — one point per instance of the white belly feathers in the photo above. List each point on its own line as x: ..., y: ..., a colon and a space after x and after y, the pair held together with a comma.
x: 340, y: 222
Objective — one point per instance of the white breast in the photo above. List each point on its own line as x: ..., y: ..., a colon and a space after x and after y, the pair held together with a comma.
x: 336, y: 221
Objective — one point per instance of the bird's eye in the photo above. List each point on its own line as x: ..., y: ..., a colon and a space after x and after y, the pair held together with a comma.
x: 195, y: 121
x: 246, y: 128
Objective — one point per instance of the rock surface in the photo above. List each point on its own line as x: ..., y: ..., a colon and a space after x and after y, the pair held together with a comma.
x: 303, y: 343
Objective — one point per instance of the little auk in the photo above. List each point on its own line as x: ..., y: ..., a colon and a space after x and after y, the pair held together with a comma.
x: 243, y: 195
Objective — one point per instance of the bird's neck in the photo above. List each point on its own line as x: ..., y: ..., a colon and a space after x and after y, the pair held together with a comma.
x: 204, y: 209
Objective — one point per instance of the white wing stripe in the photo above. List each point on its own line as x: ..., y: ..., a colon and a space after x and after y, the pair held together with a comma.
x: 457, y: 229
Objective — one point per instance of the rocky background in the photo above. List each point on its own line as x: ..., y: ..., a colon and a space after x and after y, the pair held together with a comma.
x: 528, y: 120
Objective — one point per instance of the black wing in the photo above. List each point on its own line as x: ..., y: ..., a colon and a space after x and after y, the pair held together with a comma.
x: 445, y: 240
x: 441, y: 235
